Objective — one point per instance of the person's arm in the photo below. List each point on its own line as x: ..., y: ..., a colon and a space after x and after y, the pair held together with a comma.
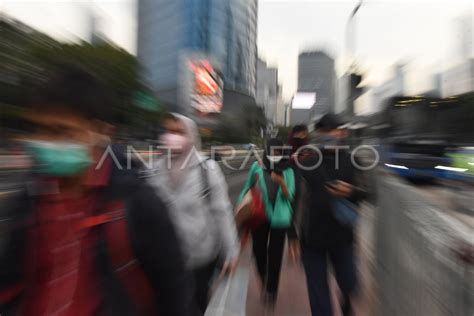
x: 290, y: 184
x: 359, y: 192
x: 221, y: 209
x: 286, y: 183
x: 357, y: 195
x: 293, y: 242
x: 346, y: 187
x: 281, y: 182
x: 158, y: 250
x: 296, y: 205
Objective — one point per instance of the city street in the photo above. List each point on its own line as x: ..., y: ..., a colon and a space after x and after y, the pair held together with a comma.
x: 293, y: 297
x: 359, y: 115
x: 242, y: 294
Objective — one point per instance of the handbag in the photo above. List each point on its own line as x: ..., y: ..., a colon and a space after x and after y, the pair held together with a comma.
x: 345, y: 212
x: 250, y: 213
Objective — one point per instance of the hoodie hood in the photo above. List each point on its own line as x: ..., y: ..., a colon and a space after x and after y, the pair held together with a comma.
x: 191, y: 132
x: 190, y: 156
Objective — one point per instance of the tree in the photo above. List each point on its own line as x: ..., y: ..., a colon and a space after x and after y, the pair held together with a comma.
x: 28, y: 57
x: 118, y: 69
x: 241, y: 127
x: 112, y: 64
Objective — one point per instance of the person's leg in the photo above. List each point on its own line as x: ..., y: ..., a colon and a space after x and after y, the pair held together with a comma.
x: 259, y: 247
x: 202, y: 279
x: 315, y: 266
x: 343, y: 261
x: 276, y: 244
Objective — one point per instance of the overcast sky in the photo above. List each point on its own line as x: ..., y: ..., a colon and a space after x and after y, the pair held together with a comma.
x: 422, y: 33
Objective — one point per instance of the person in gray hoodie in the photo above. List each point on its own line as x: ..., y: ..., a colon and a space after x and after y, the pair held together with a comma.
x: 195, y: 191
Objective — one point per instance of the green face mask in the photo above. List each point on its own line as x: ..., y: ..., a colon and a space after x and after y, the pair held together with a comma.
x: 60, y: 159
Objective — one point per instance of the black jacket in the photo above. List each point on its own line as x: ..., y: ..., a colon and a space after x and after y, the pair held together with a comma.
x: 156, y: 245
x: 319, y: 227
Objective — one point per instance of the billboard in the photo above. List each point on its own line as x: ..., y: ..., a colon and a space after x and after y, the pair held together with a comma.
x: 207, y: 87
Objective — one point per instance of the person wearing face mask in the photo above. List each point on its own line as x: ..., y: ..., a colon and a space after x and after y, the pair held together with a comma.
x: 276, y: 180
x: 195, y: 191
x: 87, y: 237
x: 298, y: 138
x: 323, y: 236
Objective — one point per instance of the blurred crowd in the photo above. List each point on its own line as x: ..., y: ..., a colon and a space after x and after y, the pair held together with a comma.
x: 90, y: 233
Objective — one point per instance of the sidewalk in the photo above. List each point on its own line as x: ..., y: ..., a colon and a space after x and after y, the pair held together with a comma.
x: 241, y: 296
x: 293, y: 296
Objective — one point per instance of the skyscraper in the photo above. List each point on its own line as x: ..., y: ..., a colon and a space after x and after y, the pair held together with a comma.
x: 267, y: 91
x: 280, y: 108
x: 222, y: 31
x: 464, y: 35
x: 316, y: 73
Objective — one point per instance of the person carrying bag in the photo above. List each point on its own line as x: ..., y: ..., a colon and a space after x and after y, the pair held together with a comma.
x: 265, y: 210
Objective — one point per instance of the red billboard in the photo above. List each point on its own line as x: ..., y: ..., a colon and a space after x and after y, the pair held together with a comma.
x: 207, y: 92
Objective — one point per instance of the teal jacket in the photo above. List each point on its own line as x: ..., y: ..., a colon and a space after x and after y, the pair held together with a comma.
x: 279, y: 215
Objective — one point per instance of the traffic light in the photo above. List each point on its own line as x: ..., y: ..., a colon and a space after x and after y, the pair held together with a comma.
x: 356, y: 90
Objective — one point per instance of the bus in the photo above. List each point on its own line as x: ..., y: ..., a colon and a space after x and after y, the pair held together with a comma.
x: 428, y: 138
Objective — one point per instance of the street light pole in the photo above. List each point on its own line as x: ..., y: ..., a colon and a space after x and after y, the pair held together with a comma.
x: 350, y: 33
x: 350, y: 48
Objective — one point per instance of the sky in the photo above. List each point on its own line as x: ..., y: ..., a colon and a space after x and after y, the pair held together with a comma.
x: 420, y: 33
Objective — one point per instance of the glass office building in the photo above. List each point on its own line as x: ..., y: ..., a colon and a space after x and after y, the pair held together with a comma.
x: 225, y: 31
x: 316, y: 73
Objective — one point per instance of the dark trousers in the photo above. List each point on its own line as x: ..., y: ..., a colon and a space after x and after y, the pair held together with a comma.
x: 202, y: 282
x: 316, y: 269
x: 268, y: 246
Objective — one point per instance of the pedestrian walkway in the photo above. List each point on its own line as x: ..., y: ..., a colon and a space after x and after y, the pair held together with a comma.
x: 241, y: 295
x: 292, y: 296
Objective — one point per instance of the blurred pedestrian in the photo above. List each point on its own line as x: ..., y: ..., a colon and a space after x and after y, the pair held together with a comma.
x: 326, y: 230
x: 298, y: 137
x: 276, y: 181
x: 86, y: 237
x: 195, y: 191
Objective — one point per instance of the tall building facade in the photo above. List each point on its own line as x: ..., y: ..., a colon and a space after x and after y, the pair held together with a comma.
x: 300, y: 116
x: 280, y: 108
x: 316, y: 73
x: 223, y: 31
x: 267, y: 90
x: 465, y: 34
x: 458, y: 79
x: 395, y: 86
